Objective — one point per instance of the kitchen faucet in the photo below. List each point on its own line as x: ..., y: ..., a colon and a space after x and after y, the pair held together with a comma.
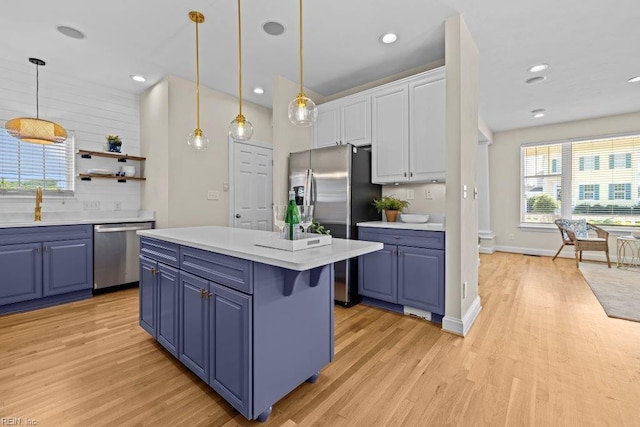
x: 38, y: 209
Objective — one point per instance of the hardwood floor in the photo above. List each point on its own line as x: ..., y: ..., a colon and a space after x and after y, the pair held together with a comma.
x: 542, y: 352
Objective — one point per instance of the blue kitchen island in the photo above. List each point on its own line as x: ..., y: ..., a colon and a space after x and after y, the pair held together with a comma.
x: 252, y: 322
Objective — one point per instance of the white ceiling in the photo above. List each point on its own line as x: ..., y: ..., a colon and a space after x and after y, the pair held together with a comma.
x: 590, y: 45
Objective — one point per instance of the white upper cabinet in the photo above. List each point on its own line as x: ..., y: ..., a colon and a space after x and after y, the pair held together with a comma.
x: 427, y: 121
x: 390, y: 148
x: 347, y: 120
x: 356, y: 120
x: 326, y: 130
x: 408, y: 122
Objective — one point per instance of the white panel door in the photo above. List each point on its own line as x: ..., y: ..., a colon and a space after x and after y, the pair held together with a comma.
x: 427, y: 105
x: 389, y: 138
x: 326, y: 130
x: 253, y: 187
x: 356, y: 121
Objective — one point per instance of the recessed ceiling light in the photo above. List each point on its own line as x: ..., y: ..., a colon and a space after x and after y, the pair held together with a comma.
x: 537, y: 68
x: 258, y: 90
x: 635, y: 79
x: 536, y: 114
x: 70, y: 32
x: 388, y: 38
x: 138, y: 78
x: 537, y: 79
x: 273, y: 28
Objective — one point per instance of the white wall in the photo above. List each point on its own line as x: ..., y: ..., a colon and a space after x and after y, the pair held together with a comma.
x: 461, y: 56
x: 434, y: 203
x: 183, y: 176
x: 504, y: 160
x: 87, y: 111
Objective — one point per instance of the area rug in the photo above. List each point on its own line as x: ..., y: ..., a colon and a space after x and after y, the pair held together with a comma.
x: 617, y: 290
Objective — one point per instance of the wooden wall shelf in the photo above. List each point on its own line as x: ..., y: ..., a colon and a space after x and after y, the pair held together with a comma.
x: 87, y: 154
x: 89, y: 177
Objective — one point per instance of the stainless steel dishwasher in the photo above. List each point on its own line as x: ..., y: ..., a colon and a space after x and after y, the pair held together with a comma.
x: 115, y: 253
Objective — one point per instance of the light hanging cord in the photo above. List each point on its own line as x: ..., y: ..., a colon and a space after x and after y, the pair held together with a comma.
x: 302, y: 110
x: 240, y: 129
x: 197, y: 140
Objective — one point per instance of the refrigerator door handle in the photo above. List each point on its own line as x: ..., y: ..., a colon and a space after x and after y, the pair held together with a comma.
x: 308, y: 187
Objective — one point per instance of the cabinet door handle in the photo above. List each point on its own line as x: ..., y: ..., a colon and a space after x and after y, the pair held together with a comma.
x: 411, y: 174
x: 46, y: 248
x: 153, y: 271
x: 393, y: 251
x: 208, y: 294
x: 37, y: 250
x: 396, y: 237
x: 201, y: 293
x: 405, y: 174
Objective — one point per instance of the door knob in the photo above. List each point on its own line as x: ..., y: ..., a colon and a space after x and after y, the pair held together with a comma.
x: 238, y: 216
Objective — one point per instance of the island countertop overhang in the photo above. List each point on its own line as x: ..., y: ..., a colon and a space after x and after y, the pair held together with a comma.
x: 238, y: 242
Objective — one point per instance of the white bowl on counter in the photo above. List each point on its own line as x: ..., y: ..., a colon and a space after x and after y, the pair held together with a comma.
x: 414, y: 218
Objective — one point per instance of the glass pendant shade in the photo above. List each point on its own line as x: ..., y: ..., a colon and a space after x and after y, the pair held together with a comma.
x: 302, y: 111
x: 36, y: 131
x: 241, y: 129
x: 198, y: 140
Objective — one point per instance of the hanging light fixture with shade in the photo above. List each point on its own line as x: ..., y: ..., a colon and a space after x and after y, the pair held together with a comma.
x: 240, y: 129
x: 197, y: 140
x: 302, y: 110
x: 36, y: 131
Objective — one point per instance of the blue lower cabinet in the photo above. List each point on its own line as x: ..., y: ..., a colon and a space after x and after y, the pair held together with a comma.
x: 230, y: 319
x: 377, y: 274
x: 168, y: 288
x: 420, y: 273
x: 21, y: 267
x: 194, y: 324
x: 148, y: 290
x: 407, y: 275
x: 67, y: 266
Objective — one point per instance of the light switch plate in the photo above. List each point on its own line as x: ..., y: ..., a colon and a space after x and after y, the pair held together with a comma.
x: 410, y: 195
x: 213, y: 195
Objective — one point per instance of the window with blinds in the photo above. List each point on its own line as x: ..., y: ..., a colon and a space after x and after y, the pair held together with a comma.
x: 600, y: 183
x: 25, y: 166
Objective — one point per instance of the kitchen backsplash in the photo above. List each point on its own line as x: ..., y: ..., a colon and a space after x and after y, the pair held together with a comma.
x: 423, y: 198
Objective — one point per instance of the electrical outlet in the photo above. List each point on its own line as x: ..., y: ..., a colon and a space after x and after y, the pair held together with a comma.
x: 91, y: 205
x: 410, y: 195
x: 511, y: 236
x: 464, y: 289
x: 213, y: 195
x: 117, y: 206
x: 464, y: 191
x: 427, y: 194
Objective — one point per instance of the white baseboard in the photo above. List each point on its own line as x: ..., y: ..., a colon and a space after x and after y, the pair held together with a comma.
x: 462, y: 326
x: 568, y: 252
x: 487, y: 250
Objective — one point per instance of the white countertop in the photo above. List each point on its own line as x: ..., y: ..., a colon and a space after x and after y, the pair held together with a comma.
x: 429, y: 226
x: 46, y: 222
x: 239, y: 243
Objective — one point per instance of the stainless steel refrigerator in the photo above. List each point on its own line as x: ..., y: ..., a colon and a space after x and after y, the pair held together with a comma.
x: 337, y: 181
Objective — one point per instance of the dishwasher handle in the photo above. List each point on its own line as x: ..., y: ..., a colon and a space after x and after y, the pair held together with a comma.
x: 120, y: 228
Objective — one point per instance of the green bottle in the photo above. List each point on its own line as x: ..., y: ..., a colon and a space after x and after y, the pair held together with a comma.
x: 292, y: 217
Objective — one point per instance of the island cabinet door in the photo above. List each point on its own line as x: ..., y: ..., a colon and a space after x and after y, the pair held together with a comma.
x: 67, y: 266
x: 20, y: 272
x: 148, y: 292
x: 421, y: 278
x: 194, y: 324
x: 168, y: 292
x: 377, y: 275
x: 230, y: 348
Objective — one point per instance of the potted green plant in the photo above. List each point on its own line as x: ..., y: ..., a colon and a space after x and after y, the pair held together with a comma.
x: 115, y: 143
x: 391, y: 206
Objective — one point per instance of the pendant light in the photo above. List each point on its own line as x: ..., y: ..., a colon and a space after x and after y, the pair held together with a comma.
x: 36, y: 131
x: 240, y: 129
x: 197, y: 140
x: 302, y: 110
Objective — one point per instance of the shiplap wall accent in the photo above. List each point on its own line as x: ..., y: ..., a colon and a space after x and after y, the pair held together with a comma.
x: 87, y: 111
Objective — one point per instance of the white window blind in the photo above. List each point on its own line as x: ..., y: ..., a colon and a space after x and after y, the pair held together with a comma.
x: 25, y: 166
x: 599, y: 181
